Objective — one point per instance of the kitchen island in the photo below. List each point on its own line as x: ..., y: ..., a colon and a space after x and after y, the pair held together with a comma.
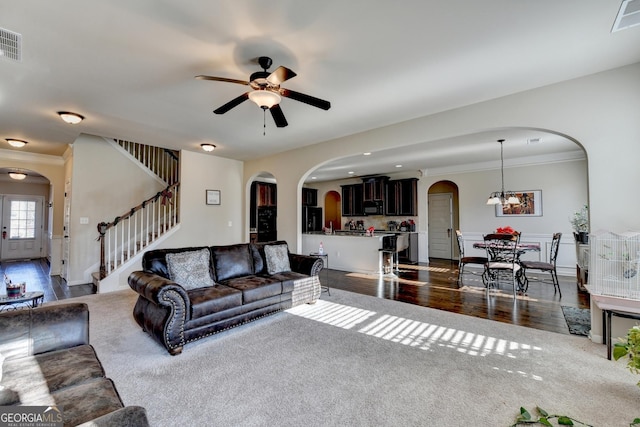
x: 349, y: 251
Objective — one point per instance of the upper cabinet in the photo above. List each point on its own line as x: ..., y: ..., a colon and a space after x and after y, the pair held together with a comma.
x: 309, y: 197
x: 402, y: 197
x: 352, y: 197
x: 265, y: 194
x: 374, y: 188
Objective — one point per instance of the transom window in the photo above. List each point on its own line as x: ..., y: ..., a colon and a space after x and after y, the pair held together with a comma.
x: 23, y: 220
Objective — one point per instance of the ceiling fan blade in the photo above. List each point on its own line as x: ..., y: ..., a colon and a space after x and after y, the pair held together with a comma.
x: 280, y: 75
x: 307, y: 99
x: 278, y: 116
x: 233, y: 103
x: 222, y: 79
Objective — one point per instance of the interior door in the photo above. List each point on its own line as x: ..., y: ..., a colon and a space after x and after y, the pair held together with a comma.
x: 21, y: 227
x: 65, y: 231
x: 441, y: 225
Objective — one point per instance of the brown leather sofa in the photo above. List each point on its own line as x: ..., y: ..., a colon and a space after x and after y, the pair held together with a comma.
x: 246, y: 281
x: 46, y: 360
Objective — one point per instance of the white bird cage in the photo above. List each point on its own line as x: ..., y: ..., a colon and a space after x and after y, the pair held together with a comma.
x: 614, y: 268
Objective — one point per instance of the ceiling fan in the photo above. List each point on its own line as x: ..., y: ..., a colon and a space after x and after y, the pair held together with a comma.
x: 267, y: 92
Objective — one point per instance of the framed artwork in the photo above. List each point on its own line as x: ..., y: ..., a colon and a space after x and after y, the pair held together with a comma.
x: 530, y: 205
x: 213, y: 197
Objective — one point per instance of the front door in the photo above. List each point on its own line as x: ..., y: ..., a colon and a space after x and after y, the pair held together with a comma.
x: 441, y: 225
x: 21, y: 227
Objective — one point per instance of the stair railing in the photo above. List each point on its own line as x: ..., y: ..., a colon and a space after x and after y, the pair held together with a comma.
x: 161, y: 161
x: 137, y: 228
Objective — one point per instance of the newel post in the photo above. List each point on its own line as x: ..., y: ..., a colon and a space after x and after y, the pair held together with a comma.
x: 102, y: 229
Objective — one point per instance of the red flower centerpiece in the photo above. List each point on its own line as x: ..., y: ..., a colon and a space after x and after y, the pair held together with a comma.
x: 506, y: 230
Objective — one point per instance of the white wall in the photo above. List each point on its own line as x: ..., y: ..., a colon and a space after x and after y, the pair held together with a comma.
x: 200, y: 224
x: 104, y: 185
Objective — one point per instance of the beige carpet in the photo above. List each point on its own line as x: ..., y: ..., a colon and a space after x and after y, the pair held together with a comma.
x: 361, y: 361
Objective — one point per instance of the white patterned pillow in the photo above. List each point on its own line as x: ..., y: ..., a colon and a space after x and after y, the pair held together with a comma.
x: 277, y: 258
x: 190, y: 269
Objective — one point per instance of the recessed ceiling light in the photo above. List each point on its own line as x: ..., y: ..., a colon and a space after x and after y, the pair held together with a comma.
x: 71, y: 118
x: 16, y: 142
x: 208, y: 147
x: 313, y: 177
x: 398, y: 166
x: 351, y: 172
x: 366, y: 154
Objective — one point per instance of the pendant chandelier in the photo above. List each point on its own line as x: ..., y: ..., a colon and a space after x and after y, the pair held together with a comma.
x: 502, y: 197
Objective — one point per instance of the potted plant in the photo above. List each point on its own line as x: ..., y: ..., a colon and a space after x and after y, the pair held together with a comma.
x: 580, y: 224
x: 629, y: 346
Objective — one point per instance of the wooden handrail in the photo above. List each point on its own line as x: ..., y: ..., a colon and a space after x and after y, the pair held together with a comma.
x: 103, y: 227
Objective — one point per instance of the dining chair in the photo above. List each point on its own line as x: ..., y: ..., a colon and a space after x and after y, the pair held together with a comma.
x: 545, y: 267
x: 502, y: 256
x: 464, y: 260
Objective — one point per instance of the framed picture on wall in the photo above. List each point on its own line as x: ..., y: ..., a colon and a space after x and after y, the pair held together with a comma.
x: 213, y: 197
x: 530, y: 205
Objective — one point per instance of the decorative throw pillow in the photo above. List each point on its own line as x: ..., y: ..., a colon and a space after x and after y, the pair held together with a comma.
x: 190, y: 269
x: 277, y: 258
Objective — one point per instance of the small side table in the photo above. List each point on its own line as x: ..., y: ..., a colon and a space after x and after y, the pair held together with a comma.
x: 28, y: 300
x: 325, y: 263
x: 606, y: 320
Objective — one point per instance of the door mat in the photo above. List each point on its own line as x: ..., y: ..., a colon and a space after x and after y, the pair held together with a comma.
x: 578, y: 320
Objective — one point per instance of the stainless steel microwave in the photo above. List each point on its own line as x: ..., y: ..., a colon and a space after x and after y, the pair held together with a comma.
x: 373, y: 207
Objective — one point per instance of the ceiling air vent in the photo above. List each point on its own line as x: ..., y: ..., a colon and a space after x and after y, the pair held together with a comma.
x: 10, y: 45
x: 628, y: 15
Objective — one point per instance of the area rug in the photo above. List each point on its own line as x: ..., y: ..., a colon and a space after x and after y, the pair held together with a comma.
x: 578, y: 320
x: 357, y: 360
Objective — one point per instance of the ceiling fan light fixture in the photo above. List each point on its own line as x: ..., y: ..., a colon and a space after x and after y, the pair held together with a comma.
x: 17, y: 143
x: 265, y: 99
x: 71, y: 118
x: 208, y: 147
x: 17, y: 175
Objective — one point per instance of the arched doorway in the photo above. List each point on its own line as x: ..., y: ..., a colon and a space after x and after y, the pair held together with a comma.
x: 332, y: 210
x: 443, y: 219
x: 23, y: 218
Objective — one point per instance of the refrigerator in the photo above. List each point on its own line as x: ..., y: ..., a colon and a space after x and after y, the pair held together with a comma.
x: 311, y: 219
x: 266, y: 224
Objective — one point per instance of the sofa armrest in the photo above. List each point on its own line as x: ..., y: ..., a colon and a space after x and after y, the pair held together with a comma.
x: 43, y: 329
x: 129, y: 416
x: 305, y: 264
x: 159, y: 290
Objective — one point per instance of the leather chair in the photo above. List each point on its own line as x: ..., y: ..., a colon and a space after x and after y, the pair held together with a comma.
x: 464, y: 260
x: 545, y: 267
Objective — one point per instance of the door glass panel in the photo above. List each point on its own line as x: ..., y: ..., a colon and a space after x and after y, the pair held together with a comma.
x: 23, y: 220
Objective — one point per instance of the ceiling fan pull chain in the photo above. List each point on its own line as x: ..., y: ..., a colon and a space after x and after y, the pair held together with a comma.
x: 264, y: 122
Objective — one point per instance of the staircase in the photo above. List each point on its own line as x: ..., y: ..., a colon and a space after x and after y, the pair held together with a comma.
x: 128, y: 234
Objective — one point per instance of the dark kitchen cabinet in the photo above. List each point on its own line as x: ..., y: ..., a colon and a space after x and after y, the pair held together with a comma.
x: 374, y: 188
x: 263, y: 194
x: 309, y: 197
x: 352, y: 197
x: 402, y: 197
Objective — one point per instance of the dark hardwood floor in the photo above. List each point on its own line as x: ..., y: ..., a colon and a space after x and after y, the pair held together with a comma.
x: 36, y: 274
x: 435, y: 285
x: 430, y: 285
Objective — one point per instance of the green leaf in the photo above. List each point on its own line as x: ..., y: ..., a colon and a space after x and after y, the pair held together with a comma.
x: 542, y: 411
x: 564, y: 421
x: 525, y: 414
x: 619, y: 351
x: 545, y: 422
